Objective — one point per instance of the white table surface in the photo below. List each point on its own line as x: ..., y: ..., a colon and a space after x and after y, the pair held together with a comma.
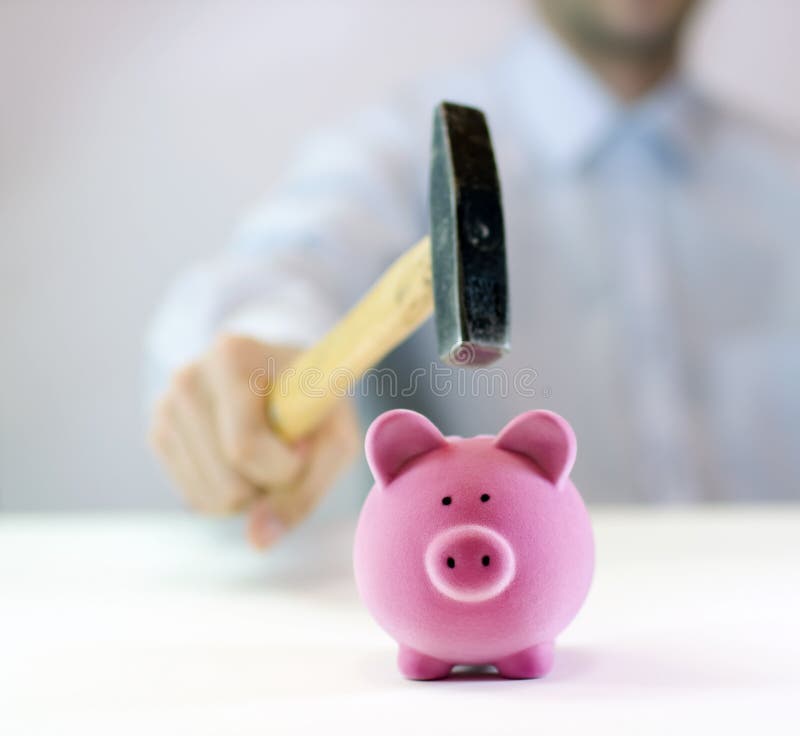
x: 170, y: 625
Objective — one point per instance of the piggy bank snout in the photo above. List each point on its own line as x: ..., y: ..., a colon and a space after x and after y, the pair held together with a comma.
x: 470, y: 563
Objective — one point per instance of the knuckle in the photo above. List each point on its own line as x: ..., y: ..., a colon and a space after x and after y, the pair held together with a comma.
x: 233, y: 496
x: 227, y: 348
x: 238, y: 447
x: 186, y: 380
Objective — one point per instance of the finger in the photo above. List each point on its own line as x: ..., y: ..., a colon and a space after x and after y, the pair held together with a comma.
x: 332, y: 448
x: 171, y: 451
x: 264, y: 528
x: 246, y: 440
x: 228, y: 491
x: 182, y: 469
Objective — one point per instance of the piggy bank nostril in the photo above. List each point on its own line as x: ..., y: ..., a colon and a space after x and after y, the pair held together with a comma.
x: 485, y: 560
x: 451, y: 563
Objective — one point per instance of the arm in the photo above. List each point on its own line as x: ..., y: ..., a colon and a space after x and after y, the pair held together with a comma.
x: 352, y: 203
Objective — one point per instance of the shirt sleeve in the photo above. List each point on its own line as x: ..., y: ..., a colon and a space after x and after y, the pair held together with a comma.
x: 354, y: 200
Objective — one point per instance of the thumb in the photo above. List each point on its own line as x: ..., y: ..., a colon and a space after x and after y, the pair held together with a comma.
x: 332, y: 448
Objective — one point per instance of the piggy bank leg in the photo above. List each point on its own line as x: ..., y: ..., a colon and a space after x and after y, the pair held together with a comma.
x: 535, y: 661
x: 416, y: 666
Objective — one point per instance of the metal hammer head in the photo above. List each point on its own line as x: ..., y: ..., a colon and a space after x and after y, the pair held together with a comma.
x: 470, y: 285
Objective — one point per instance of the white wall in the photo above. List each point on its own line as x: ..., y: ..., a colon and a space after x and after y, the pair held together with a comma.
x: 132, y: 135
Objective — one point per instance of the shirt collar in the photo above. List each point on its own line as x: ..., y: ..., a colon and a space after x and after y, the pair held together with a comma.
x: 576, y: 120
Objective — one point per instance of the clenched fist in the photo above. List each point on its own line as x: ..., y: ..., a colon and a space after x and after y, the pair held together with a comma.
x: 210, y: 430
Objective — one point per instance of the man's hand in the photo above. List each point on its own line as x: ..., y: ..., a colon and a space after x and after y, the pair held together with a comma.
x: 210, y: 430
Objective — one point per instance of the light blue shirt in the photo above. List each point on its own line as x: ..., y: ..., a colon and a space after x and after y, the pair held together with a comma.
x: 654, y: 273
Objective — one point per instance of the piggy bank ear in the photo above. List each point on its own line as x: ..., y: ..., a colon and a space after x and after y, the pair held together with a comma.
x: 396, y: 437
x: 545, y: 438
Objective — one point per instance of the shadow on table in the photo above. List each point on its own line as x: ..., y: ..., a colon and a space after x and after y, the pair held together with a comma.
x: 595, y: 671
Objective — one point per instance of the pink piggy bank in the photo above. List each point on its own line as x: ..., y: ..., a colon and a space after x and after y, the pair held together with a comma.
x: 473, y: 551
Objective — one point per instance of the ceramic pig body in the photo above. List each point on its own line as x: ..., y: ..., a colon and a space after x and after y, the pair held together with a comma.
x: 473, y: 551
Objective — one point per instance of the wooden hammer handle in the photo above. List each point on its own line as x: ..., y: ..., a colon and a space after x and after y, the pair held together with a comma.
x: 392, y: 309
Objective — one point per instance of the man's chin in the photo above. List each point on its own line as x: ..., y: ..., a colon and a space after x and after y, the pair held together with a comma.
x: 631, y: 45
x: 610, y: 31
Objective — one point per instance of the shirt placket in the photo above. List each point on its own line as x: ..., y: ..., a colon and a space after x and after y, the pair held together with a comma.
x: 656, y: 395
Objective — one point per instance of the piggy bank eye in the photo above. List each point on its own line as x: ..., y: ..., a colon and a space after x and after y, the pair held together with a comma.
x: 485, y: 497
x: 446, y: 501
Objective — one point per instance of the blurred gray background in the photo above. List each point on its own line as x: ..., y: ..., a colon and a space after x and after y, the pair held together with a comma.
x: 134, y: 134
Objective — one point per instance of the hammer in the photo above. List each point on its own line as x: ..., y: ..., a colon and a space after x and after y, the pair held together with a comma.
x: 458, y: 272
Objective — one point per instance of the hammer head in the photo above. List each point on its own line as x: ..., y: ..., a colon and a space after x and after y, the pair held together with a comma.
x: 470, y: 284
